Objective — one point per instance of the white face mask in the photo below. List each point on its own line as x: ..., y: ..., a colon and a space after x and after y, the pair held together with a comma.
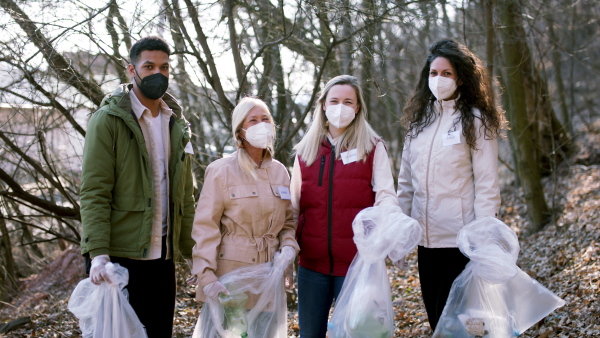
x: 259, y: 135
x: 442, y: 87
x: 340, y: 115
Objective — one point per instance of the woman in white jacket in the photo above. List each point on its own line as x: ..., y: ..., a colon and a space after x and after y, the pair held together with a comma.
x: 449, y: 171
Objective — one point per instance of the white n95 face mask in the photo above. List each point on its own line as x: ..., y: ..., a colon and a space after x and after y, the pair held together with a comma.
x: 442, y: 87
x: 340, y: 115
x: 259, y: 135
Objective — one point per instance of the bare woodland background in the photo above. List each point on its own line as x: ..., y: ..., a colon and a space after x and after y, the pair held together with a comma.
x: 59, y: 58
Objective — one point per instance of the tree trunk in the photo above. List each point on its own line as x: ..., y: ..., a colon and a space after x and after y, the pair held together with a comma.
x: 560, y: 87
x: 323, y: 7
x: 366, y: 62
x: 490, y: 38
x: 229, y: 7
x: 516, y: 55
x: 8, y: 272
x: 347, y: 48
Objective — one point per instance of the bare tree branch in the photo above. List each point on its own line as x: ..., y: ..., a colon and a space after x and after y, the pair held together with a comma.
x: 18, y: 192
x: 58, y: 63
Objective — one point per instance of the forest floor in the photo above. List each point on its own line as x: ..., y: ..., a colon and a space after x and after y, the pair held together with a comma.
x: 564, y: 257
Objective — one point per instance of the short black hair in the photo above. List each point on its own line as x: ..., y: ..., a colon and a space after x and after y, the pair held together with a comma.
x: 148, y: 43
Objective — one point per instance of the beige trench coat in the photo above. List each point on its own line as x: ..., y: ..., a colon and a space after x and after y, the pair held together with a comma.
x: 240, y: 221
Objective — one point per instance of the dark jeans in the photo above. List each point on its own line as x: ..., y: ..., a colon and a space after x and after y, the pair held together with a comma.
x: 152, y: 289
x: 316, y: 293
x: 438, y: 268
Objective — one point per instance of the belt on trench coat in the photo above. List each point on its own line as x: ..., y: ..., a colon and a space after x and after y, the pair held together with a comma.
x: 266, y: 245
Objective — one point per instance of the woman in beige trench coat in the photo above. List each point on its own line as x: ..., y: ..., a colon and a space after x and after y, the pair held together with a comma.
x: 244, y: 214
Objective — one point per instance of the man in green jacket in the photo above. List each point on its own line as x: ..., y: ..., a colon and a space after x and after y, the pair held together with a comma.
x: 137, y: 199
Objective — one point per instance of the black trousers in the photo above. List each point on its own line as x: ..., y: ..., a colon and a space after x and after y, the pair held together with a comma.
x: 438, y: 268
x: 152, y: 289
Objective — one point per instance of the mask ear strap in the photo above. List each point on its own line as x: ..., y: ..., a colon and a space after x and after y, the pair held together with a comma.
x: 136, y: 74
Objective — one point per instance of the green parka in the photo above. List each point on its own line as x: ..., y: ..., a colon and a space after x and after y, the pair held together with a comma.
x: 116, y: 189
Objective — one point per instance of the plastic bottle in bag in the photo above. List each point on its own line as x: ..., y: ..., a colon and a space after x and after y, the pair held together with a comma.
x: 235, y: 313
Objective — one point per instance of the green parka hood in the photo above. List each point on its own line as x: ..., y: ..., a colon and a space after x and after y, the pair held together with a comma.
x: 120, y: 99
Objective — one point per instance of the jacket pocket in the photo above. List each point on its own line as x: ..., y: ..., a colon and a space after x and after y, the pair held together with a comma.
x: 300, y: 229
x: 242, y: 191
x: 128, y: 203
x: 280, y: 205
x: 321, y: 169
x: 126, y: 218
x: 238, y: 253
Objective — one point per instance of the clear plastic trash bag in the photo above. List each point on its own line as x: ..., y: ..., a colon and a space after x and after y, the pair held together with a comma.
x: 104, y: 310
x: 255, y: 307
x: 364, y: 306
x: 492, y: 297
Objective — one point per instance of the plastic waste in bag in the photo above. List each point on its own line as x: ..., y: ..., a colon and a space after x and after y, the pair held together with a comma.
x: 492, y: 297
x: 255, y: 307
x: 364, y: 307
x: 103, y: 310
x: 235, y: 313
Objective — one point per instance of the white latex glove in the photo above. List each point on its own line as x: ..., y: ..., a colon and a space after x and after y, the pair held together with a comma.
x: 193, y: 280
x: 213, y: 289
x: 98, y: 272
x: 287, y: 255
x: 402, y: 264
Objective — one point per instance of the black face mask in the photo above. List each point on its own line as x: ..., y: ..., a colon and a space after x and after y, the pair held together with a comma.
x: 153, y: 86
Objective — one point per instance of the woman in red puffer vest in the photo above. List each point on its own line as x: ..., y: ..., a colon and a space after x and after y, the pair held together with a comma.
x: 341, y: 167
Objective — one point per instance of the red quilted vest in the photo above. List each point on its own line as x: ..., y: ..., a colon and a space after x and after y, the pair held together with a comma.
x: 328, y: 207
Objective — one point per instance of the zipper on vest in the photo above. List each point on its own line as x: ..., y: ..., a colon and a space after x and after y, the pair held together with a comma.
x: 321, y: 170
x: 330, y: 209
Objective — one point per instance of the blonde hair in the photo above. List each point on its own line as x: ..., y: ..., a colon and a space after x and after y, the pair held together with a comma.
x: 359, y: 134
x: 240, y: 112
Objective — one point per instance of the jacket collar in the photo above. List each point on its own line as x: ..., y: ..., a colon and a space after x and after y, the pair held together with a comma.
x: 138, y: 108
x: 266, y: 163
x: 326, y: 142
x: 120, y: 98
x: 445, y: 106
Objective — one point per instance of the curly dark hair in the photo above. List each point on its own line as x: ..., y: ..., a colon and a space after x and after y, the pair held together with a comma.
x: 474, y: 91
x: 147, y: 43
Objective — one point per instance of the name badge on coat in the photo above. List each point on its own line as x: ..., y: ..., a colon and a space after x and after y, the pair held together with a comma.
x: 451, y: 138
x: 284, y: 193
x: 188, y: 148
x: 348, y: 156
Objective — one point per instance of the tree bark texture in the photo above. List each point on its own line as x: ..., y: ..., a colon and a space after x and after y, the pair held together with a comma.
x: 516, y: 55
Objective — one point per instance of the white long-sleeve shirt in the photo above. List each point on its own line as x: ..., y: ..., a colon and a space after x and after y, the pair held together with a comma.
x: 157, y: 138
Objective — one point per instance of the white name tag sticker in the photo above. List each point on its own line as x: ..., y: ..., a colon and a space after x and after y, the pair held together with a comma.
x: 284, y: 193
x: 349, y: 156
x: 188, y: 148
x: 451, y: 138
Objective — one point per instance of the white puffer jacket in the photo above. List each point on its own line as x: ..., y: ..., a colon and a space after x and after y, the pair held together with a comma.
x: 444, y: 184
